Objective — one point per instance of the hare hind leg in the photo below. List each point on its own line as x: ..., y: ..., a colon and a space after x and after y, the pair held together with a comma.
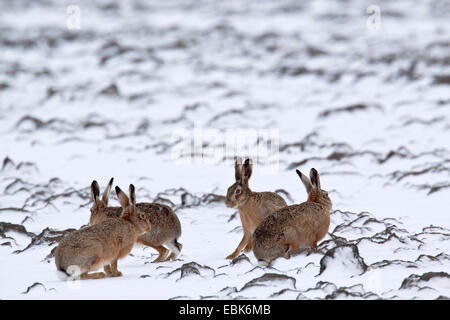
x: 163, y: 252
x: 115, y: 271
x: 175, y: 247
x: 92, y: 262
x: 291, y: 247
x: 313, y: 247
x: 95, y: 275
x: 107, y: 269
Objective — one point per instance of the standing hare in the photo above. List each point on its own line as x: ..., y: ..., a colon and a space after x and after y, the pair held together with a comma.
x: 296, y: 226
x: 252, y: 206
x: 165, y: 231
x: 90, y: 248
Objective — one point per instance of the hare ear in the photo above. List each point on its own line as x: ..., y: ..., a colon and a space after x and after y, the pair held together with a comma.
x: 123, y: 199
x: 238, y: 169
x: 132, y: 198
x: 315, y: 180
x: 105, y: 196
x: 305, y: 181
x: 95, y: 191
x: 247, y: 169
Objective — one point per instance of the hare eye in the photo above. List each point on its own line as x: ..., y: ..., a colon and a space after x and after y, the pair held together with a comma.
x: 238, y: 191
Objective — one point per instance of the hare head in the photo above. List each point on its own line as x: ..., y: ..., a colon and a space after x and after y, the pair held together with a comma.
x: 98, y: 203
x: 312, y: 186
x: 238, y: 193
x: 130, y: 212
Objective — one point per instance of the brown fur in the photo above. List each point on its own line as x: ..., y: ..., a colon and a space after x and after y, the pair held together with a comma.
x: 252, y: 206
x: 102, y: 244
x: 100, y: 210
x: 296, y: 226
x: 103, y: 214
x: 166, y: 228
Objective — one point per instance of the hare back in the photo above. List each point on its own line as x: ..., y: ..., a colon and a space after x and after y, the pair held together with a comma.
x: 269, y: 201
x: 165, y: 224
x: 301, y: 221
x: 308, y: 218
x: 104, y: 214
x: 258, y: 206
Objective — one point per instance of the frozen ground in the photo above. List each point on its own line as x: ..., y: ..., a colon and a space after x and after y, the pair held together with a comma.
x: 368, y: 108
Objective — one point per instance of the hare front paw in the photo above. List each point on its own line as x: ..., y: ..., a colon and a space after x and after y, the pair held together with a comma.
x: 232, y: 256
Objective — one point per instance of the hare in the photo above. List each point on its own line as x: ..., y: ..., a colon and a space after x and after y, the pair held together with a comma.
x: 165, y: 232
x: 166, y: 228
x: 102, y: 244
x: 252, y: 206
x: 100, y: 210
x: 296, y: 226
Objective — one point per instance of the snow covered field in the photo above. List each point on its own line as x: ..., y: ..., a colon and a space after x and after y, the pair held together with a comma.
x: 368, y: 108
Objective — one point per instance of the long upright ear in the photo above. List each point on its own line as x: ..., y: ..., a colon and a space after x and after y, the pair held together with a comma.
x: 132, y: 200
x: 247, y: 170
x: 305, y: 181
x: 95, y: 191
x: 238, y: 169
x: 123, y: 199
x: 314, y: 176
x: 105, y: 196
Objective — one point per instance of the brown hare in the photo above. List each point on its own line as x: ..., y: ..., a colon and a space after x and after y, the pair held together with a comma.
x: 252, y: 206
x: 165, y: 232
x: 166, y: 228
x: 296, y: 226
x: 90, y: 248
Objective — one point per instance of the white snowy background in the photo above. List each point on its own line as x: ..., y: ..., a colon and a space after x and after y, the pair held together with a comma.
x: 368, y: 108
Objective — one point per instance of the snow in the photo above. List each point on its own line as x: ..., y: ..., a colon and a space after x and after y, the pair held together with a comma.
x: 367, y: 108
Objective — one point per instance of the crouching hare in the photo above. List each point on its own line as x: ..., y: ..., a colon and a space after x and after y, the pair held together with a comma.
x: 296, y: 226
x: 102, y: 244
x: 252, y: 206
x: 165, y: 231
